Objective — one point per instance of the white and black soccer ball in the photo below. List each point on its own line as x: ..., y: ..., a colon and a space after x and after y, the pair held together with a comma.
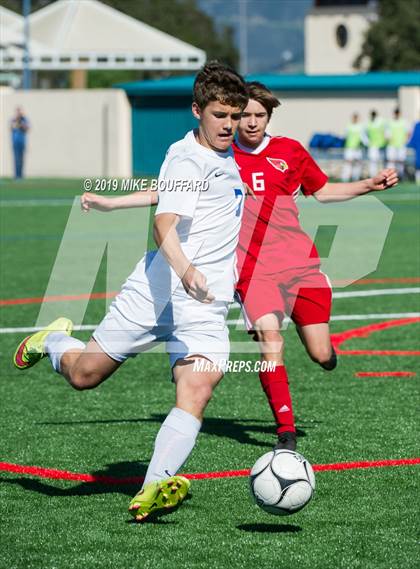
x: 282, y: 482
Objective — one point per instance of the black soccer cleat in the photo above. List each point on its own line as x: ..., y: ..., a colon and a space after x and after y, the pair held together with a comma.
x: 331, y: 363
x: 286, y: 441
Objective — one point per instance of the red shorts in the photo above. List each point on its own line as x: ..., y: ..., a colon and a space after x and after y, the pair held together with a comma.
x: 303, y: 294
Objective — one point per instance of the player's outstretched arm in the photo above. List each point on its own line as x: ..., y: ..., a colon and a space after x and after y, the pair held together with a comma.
x: 166, y: 238
x: 339, y: 192
x: 90, y: 201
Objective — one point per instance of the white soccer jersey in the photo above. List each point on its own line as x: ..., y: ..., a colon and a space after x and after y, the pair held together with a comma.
x: 210, y: 217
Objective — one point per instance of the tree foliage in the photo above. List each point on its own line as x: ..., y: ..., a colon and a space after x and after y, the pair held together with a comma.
x: 186, y: 21
x: 392, y: 43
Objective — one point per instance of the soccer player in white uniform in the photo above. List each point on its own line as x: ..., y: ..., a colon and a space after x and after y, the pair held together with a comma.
x: 279, y: 265
x: 179, y: 294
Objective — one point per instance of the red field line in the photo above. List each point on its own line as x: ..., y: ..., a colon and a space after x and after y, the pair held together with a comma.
x: 385, y: 374
x: 40, y: 472
x: 365, y: 332
x: 400, y: 280
x: 56, y: 298
x: 99, y: 295
x: 379, y: 352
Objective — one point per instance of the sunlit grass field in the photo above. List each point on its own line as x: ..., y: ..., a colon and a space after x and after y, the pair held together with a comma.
x: 360, y: 518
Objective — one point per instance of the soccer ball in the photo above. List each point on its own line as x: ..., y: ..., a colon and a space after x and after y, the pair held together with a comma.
x: 282, y: 482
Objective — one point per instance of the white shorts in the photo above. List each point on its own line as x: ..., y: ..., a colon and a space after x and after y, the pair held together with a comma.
x: 351, y: 154
x: 396, y: 154
x: 136, y: 321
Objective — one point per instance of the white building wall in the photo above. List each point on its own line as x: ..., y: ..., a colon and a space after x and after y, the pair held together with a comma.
x: 88, y: 133
x: 409, y: 103
x: 323, y: 55
x: 72, y: 133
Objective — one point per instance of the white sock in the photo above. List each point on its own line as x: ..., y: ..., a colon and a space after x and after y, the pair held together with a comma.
x: 345, y: 176
x: 373, y: 169
x: 173, y: 444
x: 357, y: 172
x: 56, y: 343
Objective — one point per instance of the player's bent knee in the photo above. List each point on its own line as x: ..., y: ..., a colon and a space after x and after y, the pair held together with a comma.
x: 203, y: 395
x: 84, y: 379
x: 194, y: 397
x: 270, y: 336
x: 270, y: 341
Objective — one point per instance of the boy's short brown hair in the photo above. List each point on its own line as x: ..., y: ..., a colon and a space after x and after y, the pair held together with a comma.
x: 259, y: 92
x: 218, y: 82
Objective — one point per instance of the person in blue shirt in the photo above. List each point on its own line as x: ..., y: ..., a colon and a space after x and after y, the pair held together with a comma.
x: 19, y: 127
x: 414, y: 142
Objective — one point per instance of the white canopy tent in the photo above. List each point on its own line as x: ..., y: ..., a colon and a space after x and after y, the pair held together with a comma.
x: 11, y: 40
x: 12, y: 47
x: 8, y: 20
x: 86, y: 34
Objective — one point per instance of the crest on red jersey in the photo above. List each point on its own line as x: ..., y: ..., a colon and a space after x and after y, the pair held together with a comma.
x: 278, y: 164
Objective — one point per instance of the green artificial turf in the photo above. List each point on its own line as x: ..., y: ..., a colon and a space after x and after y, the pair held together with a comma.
x: 363, y: 518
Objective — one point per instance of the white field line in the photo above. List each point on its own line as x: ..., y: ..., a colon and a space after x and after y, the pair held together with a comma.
x: 358, y: 293
x: 54, y: 202
x: 369, y: 292
x: 376, y: 292
x: 37, y: 203
x: 89, y: 327
x: 351, y: 294
x: 340, y: 317
x: 32, y: 329
x: 362, y: 293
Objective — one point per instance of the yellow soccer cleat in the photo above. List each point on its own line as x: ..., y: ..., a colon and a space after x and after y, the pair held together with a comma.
x: 158, y: 497
x: 32, y: 348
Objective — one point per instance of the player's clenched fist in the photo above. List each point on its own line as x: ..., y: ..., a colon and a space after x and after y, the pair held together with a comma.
x: 385, y: 179
x: 90, y: 201
x: 195, y: 284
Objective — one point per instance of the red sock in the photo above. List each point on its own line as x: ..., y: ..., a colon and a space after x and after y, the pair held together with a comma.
x: 276, y: 386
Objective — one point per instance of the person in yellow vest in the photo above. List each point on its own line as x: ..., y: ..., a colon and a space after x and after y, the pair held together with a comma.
x: 375, y: 131
x: 396, y: 151
x: 355, y: 137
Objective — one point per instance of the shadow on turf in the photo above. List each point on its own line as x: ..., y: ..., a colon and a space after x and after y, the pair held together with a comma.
x: 269, y: 528
x: 91, y: 488
x: 116, y: 470
x: 84, y: 489
x: 152, y: 521
x: 240, y: 430
x: 88, y: 489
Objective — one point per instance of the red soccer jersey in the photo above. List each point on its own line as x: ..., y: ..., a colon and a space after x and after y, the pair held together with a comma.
x: 271, y: 239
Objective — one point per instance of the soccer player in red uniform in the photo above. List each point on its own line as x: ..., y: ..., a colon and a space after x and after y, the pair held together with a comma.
x: 278, y: 265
